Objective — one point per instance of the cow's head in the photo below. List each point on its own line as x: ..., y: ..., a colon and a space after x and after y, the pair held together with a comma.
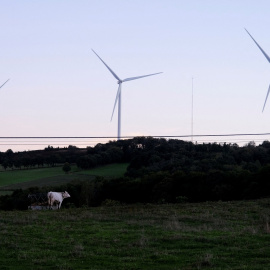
x: 65, y: 194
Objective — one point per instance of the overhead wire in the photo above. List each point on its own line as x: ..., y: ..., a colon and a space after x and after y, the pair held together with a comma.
x: 128, y: 137
x: 85, y: 141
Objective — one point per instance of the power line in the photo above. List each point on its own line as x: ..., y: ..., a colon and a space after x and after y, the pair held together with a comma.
x: 84, y: 141
x: 130, y: 137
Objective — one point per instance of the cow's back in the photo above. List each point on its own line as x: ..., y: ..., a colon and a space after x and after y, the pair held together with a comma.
x: 55, y: 196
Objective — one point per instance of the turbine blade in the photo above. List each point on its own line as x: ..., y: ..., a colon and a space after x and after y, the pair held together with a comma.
x: 266, y: 98
x: 264, y: 53
x: 116, y: 99
x: 139, y: 77
x: 115, y: 76
x: 4, y: 83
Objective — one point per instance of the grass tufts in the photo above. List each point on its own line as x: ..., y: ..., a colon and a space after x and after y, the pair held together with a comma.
x: 209, y: 235
x: 205, y: 261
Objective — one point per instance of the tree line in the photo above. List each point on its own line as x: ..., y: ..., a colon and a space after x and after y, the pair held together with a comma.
x: 147, y: 154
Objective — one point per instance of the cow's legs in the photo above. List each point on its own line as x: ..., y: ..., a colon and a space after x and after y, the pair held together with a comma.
x: 49, y: 204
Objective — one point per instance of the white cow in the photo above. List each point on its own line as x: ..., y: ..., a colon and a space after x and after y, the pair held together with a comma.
x: 56, y: 198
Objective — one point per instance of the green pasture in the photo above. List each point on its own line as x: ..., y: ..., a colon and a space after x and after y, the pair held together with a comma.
x: 211, y: 235
x: 55, y: 176
x: 111, y: 170
x: 19, y: 176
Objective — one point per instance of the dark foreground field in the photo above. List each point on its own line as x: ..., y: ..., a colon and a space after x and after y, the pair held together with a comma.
x: 216, y: 235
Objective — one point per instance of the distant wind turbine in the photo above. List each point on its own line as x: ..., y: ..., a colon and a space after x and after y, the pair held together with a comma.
x: 118, y: 95
x: 4, y: 83
x: 268, y: 58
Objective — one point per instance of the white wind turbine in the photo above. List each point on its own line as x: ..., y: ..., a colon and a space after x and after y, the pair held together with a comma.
x: 118, y: 95
x: 4, y: 83
x: 268, y: 58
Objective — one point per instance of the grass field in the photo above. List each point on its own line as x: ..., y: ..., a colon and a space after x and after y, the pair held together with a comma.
x: 55, y: 176
x: 216, y: 235
x: 112, y: 170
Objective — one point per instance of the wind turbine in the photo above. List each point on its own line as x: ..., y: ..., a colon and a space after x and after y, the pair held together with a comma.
x: 4, y: 83
x: 268, y: 58
x: 118, y: 95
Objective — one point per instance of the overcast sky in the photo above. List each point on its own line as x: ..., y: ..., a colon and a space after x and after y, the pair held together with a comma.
x: 58, y: 86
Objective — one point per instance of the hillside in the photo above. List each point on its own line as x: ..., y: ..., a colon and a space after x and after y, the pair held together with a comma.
x: 54, y: 176
x: 161, y: 171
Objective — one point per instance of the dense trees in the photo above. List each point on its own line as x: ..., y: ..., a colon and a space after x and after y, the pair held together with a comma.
x: 48, y: 157
x: 146, y: 154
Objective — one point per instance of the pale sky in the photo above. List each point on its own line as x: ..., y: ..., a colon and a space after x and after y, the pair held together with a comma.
x: 58, y: 87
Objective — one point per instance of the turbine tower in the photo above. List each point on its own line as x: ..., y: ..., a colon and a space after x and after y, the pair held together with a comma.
x: 4, y: 83
x: 118, y: 95
x: 268, y: 58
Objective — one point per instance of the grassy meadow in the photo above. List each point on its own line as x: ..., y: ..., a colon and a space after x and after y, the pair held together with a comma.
x: 211, y: 235
x: 14, y: 179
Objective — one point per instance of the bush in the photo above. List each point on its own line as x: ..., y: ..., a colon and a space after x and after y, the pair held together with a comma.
x: 66, y: 168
